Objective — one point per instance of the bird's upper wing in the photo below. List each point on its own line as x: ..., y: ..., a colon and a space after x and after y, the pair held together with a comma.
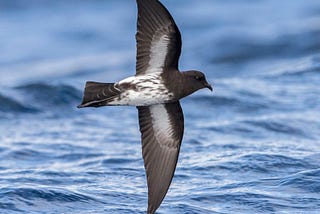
x: 161, y: 129
x: 158, y: 38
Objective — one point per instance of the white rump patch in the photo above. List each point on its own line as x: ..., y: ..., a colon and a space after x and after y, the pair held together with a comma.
x: 159, y: 50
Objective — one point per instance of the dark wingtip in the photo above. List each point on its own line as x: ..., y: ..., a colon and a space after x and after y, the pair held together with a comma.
x: 151, y: 210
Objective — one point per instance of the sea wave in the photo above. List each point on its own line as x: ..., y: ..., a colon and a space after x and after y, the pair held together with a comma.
x: 40, y: 97
x: 8, y: 104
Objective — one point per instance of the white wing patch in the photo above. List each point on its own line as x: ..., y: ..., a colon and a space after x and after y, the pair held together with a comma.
x: 161, y: 124
x: 158, y: 53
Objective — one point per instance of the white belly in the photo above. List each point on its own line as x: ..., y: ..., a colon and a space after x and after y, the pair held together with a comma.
x: 147, y: 90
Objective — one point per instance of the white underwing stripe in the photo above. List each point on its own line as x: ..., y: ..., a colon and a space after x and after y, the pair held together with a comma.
x: 158, y: 53
x: 161, y: 123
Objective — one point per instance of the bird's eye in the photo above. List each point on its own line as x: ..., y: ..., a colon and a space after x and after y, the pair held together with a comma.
x: 198, y: 77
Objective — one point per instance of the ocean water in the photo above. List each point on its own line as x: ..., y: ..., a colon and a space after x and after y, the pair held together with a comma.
x: 251, y: 146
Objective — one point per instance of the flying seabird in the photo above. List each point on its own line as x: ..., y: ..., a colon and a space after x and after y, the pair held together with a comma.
x: 155, y: 90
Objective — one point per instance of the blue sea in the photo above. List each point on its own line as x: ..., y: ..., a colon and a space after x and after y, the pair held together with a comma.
x: 251, y: 146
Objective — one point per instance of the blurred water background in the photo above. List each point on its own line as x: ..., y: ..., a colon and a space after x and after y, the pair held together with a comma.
x: 253, y: 146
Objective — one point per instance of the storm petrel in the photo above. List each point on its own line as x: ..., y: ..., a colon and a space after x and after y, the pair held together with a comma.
x: 155, y: 90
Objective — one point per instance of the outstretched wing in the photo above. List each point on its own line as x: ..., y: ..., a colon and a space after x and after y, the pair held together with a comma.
x: 158, y: 38
x: 161, y: 129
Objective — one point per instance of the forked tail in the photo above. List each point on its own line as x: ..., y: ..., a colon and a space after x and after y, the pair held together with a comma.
x: 98, y: 94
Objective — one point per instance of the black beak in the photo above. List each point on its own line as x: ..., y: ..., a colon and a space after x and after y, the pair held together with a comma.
x: 207, y: 85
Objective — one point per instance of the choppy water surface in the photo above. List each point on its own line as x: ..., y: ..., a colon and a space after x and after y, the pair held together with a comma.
x: 250, y: 147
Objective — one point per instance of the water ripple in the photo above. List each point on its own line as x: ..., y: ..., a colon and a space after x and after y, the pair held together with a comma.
x: 45, y: 194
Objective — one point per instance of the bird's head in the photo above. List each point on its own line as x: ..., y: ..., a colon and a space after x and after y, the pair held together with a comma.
x: 196, y: 80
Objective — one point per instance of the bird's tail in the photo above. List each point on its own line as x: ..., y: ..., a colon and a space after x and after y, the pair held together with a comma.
x: 98, y: 94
